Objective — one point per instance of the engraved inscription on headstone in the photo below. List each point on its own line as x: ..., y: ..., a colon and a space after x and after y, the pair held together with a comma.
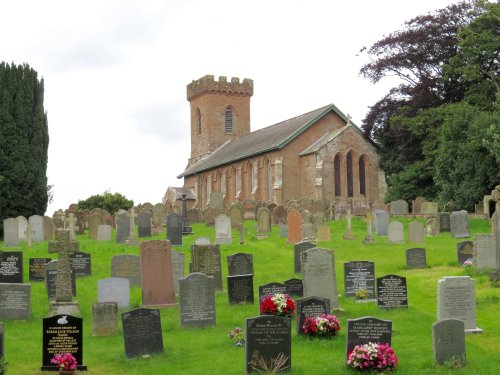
x: 128, y: 267
x: 240, y: 264
x: 310, y: 306
x: 207, y: 260
x: 105, y: 319
x: 197, y: 300
x: 294, y: 287
x: 298, y: 249
x: 367, y: 329
x: 392, y: 292
x: 271, y: 288
x: 142, y: 333
x: 240, y: 289
x: 448, y: 338
x: 37, y: 268
x: 80, y: 263
x: 15, y: 301
x: 415, y: 258
x: 11, y: 267
x: 359, y: 275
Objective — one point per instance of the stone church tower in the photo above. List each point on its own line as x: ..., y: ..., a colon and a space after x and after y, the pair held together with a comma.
x: 220, y: 112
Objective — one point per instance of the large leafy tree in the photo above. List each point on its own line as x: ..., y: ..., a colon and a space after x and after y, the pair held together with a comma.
x: 24, y: 141
x: 107, y: 201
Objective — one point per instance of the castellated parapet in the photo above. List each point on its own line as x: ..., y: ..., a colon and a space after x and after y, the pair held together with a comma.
x: 207, y: 84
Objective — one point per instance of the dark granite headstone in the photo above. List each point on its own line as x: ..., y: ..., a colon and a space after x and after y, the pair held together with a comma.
x: 122, y: 227
x: 271, y: 288
x: 142, y: 333
x: 465, y: 250
x: 37, y: 268
x: 197, y: 300
x: 174, y: 229
x: 444, y: 222
x: 240, y: 289
x: 207, y: 260
x: 15, y: 301
x: 448, y: 338
x: 367, y: 329
x: 80, y: 263
x: 240, y: 264
x: 105, y: 319
x: 266, y: 338
x: 11, y: 267
x: 144, y: 223
x: 359, y: 275
x: 415, y: 258
x: 392, y: 292
x: 294, y: 287
x: 298, y: 249
x: 62, y: 334
x: 310, y: 306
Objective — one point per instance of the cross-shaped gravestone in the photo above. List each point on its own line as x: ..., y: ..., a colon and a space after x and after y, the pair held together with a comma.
x: 131, y: 240
x: 29, y: 235
x: 369, y: 237
x: 348, y: 235
x: 71, y: 226
x: 495, y: 195
x: 63, y: 246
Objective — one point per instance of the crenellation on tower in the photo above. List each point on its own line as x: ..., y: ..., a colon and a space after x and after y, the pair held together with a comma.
x: 208, y: 85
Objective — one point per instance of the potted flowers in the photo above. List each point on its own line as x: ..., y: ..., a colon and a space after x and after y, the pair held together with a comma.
x: 237, y: 336
x: 372, y: 356
x: 278, y: 304
x: 65, y: 363
x: 324, y: 325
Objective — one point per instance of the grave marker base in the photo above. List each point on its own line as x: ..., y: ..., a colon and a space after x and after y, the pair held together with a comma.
x: 64, y: 308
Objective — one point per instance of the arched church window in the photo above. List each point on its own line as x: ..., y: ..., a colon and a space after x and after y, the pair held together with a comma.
x: 362, y: 181
x: 336, y: 173
x: 228, y: 120
x: 350, y: 192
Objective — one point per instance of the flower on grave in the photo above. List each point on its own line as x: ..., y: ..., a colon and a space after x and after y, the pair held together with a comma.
x: 324, y: 325
x: 237, y: 336
x: 362, y: 294
x: 468, y: 264
x: 372, y: 356
x: 278, y: 304
x: 64, y: 362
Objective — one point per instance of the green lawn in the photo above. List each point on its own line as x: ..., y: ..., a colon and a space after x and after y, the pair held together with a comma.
x: 209, y: 350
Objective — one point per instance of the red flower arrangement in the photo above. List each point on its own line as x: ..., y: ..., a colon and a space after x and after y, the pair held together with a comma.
x: 278, y: 304
x: 324, y: 325
x: 64, y: 362
x: 373, y: 356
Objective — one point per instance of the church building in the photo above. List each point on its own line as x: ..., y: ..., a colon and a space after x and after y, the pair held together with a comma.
x: 318, y: 155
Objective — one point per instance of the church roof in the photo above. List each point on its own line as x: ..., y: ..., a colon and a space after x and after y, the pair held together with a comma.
x: 267, y: 139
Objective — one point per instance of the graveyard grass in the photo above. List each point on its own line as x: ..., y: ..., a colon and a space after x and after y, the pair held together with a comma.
x: 210, y: 351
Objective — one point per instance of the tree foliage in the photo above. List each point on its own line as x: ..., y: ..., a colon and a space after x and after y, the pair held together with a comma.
x: 107, y: 201
x: 24, y: 141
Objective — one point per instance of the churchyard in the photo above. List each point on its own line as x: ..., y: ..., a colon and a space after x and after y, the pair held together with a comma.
x: 405, y: 275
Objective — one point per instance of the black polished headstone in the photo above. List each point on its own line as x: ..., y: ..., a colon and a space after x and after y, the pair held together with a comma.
x: 359, y: 275
x: 37, y: 268
x: 174, y: 229
x: 298, y: 249
x: 367, y: 329
x: 80, y: 263
x: 310, y: 306
x: 271, y: 288
x: 142, y: 333
x: 444, y: 221
x: 294, y: 287
x: 11, y: 267
x: 415, y: 258
x: 240, y: 289
x: 240, y: 264
x: 392, y: 292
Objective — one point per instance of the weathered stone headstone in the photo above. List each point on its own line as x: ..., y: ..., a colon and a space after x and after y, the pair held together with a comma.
x: 223, y: 229
x: 429, y: 208
x: 240, y: 264
x: 271, y: 288
x: 416, y: 205
x: 448, y: 342
x: 294, y: 226
x: 415, y: 258
x: 37, y: 233
x: 249, y: 206
x: 308, y: 233
x: 174, y: 229
x: 381, y: 222
x: 114, y: 289
x: 268, y: 337
x: 62, y: 334
x: 284, y: 231
x: 323, y: 233
x: 104, y: 232
x: 217, y: 202
x: 11, y: 267
x: 197, y: 300
x: 416, y: 233
x: 177, y: 268
x: 318, y: 275
x: 240, y: 288
x: 202, y: 241
x: 484, y: 252
x: 209, y: 216
x: 207, y: 260
x: 94, y: 221
x: 142, y: 333
x: 122, y: 227
x: 10, y: 232
x: 392, y: 292
x: 298, y: 249
x: 369, y: 225
x: 144, y: 223
x: 294, y: 287
x: 236, y: 215
x: 264, y: 220
x: 457, y: 300
x: 156, y: 273
x: 310, y: 306
x: 81, y: 263
x: 128, y: 267
x: 367, y: 329
x: 48, y: 229
x: 359, y: 275
x: 15, y: 301
x: 105, y: 319
x: 37, y: 268
x: 432, y: 227
x: 465, y: 251
x: 22, y: 226
x: 459, y: 224
x: 444, y: 221
x: 280, y: 214
x: 348, y: 234
x: 399, y: 207
x: 396, y: 232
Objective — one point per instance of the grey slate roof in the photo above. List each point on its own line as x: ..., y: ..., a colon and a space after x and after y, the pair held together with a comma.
x: 273, y: 137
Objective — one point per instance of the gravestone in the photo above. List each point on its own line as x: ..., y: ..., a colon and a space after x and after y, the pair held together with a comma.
x: 263, y: 220
x: 367, y: 329
x: 51, y: 280
x: 280, y: 214
x: 240, y: 264
x: 271, y: 288
x: 197, y: 300
x: 104, y: 232
x: 459, y: 224
x: 156, y: 273
x: 484, y: 252
x: 22, y: 226
x: 415, y: 258
x: 62, y: 334
x: 94, y: 221
x: 240, y: 288
x: 457, y: 300
x: 348, y: 234
x: 202, y: 241
x: 429, y: 208
x: 15, y: 301
x: 308, y: 233
x: 359, y: 275
x: 381, y: 222
x: 249, y: 206
x: 114, y: 289
x: 207, y: 260
x: 448, y: 342
x: 128, y: 267
x: 444, y: 221
x: 209, y: 216
x: 294, y: 287
x: 37, y: 233
x: 416, y: 233
x: 268, y: 337
x: 11, y: 267
x: 416, y: 205
x: 294, y: 226
x: 159, y: 215
x: 142, y: 333
x: 236, y: 215
x: 495, y: 228
x: 318, y: 275
x: 223, y: 229
x: 396, y: 232
x: 369, y: 225
x: 298, y: 249
x: 310, y: 306
x: 465, y: 251
x: 80, y: 263
x: 399, y: 207
x: 122, y: 227
x: 217, y: 202
x: 392, y: 292
x: 37, y: 268
x: 284, y: 231
x: 174, y: 229
x: 48, y: 229
x: 105, y: 319
x: 10, y: 232
x: 432, y: 227
x: 144, y: 223
x: 177, y: 268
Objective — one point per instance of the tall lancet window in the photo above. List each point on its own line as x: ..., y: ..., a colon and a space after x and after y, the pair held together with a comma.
x: 362, y: 181
x: 228, y: 120
x: 350, y: 190
x: 336, y: 175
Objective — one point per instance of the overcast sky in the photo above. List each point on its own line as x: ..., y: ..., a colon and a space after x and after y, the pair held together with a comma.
x: 116, y: 73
